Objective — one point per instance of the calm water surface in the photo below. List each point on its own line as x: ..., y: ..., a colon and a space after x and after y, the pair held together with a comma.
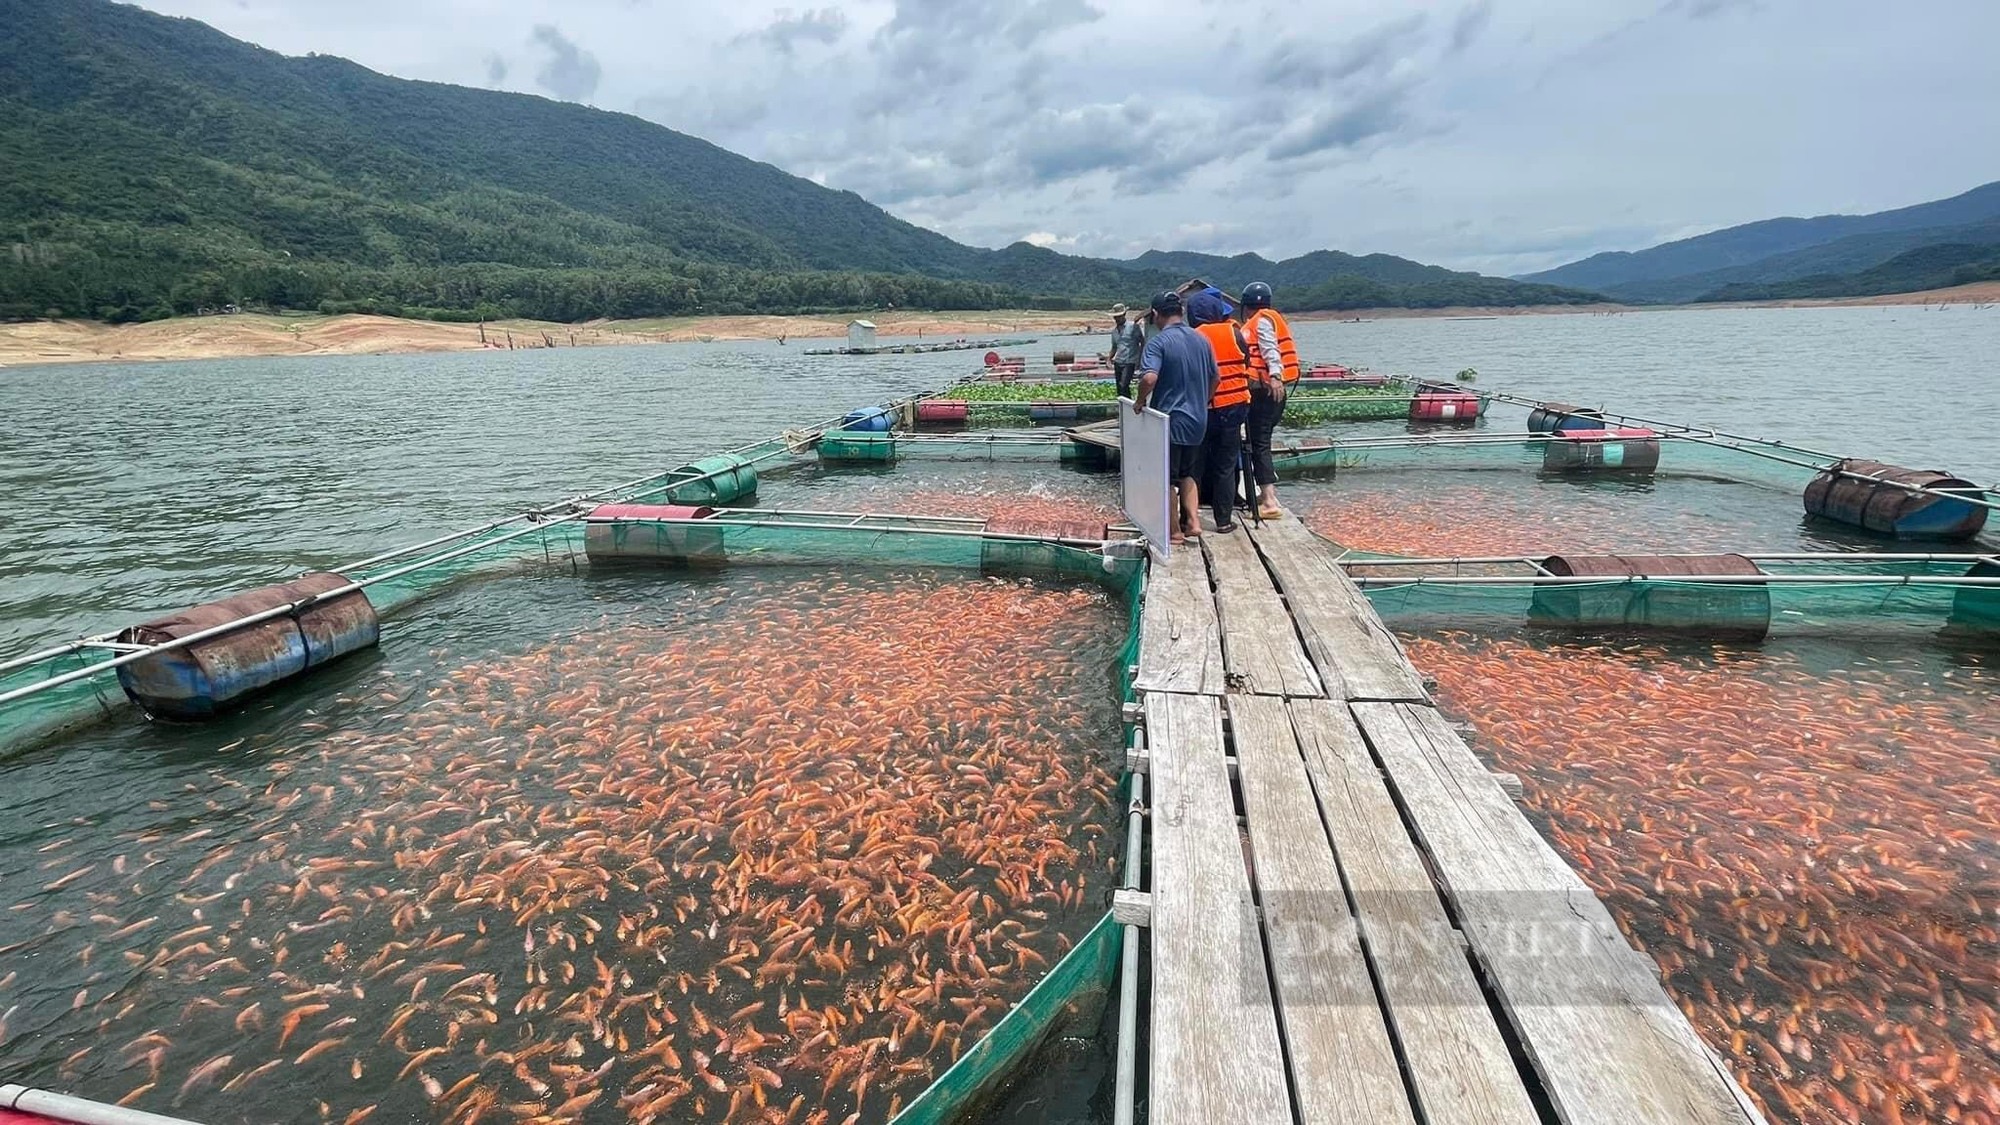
x: 137, y: 488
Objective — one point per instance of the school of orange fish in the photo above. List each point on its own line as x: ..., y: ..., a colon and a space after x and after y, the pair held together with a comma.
x: 1805, y: 845
x: 784, y: 864
x: 1517, y: 519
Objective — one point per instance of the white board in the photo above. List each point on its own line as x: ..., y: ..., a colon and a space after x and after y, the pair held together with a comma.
x: 1143, y: 452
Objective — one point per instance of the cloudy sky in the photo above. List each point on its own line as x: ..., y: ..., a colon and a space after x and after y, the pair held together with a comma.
x: 1496, y: 135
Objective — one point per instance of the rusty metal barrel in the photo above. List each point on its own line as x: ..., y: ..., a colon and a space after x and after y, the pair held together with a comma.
x: 1891, y: 500
x: 654, y: 533
x: 1671, y: 599
x: 1436, y: 405
x: 1601, y: 451
x: 205, y: 678
x: 1065, y: 356
x: 943, y: 413
x: 1553, y: 417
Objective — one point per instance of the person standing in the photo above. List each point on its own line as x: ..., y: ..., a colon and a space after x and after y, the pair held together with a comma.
x: 1274, y: 368
x: 1128, y: 344
x: 1228, y: 405
x: 1177, y: 376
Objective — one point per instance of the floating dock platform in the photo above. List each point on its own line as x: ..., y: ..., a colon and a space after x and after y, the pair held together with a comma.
x: 1349, y: 918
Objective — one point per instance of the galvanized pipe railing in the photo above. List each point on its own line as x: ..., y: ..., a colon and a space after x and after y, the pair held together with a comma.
x: 1125, y: 1089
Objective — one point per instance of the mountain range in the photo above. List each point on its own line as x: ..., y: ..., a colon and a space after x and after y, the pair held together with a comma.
x: 151, y: 166
x: 1929, y: 245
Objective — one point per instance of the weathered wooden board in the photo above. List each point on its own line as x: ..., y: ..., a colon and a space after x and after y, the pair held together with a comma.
x: 1358, y: 657
x: 1215, y: 1051
x: 1260, y: 645
x: 1459, y: 1064
x: 1589, y: 1010
x: 1343, y: 1065
x: 1180, y: 641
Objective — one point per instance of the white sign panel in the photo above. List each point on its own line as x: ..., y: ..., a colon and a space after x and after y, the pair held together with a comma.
x: 1143, y: 453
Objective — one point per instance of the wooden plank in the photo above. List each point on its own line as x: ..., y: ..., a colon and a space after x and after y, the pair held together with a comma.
x: 1589, y: 1010
x: 1260, y: 645
x: 1180, y: 641
x: 1215, y: 1049
x: 1343, y: 1065
x: 1357, y: 655
x: 1104, y: 435
x: 1459, y: 1064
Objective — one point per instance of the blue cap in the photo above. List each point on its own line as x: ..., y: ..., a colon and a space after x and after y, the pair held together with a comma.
x: 1207, y: 307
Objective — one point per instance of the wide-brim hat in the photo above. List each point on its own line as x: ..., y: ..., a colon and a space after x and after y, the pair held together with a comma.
x: 1119, y: 310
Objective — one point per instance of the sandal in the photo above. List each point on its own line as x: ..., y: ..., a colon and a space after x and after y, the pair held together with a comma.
x: 1271, y: 513
x: 1224, y: 529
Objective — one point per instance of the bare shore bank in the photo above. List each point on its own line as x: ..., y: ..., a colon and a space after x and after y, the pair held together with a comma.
x: 254, y: 334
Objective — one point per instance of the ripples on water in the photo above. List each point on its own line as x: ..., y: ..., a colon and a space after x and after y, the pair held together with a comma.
x: 675, y: 848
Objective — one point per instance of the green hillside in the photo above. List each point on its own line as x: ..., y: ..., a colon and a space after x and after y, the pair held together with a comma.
x: 1774, y: 251
x: 1929, y: 267
x: 151, y: 166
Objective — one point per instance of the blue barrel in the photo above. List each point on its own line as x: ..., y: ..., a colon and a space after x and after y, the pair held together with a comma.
x: 1560, y: 417
x: 1052, y: 412
x: 870, y: 419
x: 207, y: 677
x: 1891, y: 500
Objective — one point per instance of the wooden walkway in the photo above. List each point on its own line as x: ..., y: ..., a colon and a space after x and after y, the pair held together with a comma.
x: 1379, y: 935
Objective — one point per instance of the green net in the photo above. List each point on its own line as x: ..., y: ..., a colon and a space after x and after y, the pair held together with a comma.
x: 1071, y: 996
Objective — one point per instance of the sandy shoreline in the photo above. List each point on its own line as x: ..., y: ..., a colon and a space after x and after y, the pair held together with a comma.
x: 254, y: 334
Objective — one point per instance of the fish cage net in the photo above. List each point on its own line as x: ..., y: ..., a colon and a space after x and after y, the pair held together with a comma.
x: 643, y: 625
x: 1868, y: 600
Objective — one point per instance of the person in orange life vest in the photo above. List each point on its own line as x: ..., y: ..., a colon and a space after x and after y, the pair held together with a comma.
x: 1274, y: 367
x: 1228, y: 406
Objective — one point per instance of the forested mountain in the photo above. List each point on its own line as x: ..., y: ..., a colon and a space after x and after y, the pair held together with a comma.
x: 1930, y: 267
x: 151, y: 166
x: 1780, y: 250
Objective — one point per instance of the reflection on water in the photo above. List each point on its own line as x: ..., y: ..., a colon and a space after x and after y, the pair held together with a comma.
x: 615, y: 848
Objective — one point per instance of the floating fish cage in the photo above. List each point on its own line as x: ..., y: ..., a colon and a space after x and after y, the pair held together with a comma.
x: 955, y: 1014
x: 966, y: 978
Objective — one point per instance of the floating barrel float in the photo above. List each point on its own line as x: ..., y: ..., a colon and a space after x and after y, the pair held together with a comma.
x: 205, y: 678
x: 1922, y: 508
x: 1052, y: 412
x: 1438, y: 405
x: 943, y: 413
x: 1978, y: 607
x: 1031, y: 546
x: 640, y: 532
x: 1731, y: 610
x: 1556, y: 417
x: 1585, y: 451
x: 1063, y: 358
x: 714, y: 480
x: 857, y: 445
x: 868, y: 419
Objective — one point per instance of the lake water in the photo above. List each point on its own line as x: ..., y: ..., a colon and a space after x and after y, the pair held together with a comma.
x: 136, y: 488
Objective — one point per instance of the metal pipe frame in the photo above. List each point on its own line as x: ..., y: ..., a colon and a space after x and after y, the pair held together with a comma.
x: 1948, y: 581
x: 1125, y: 1092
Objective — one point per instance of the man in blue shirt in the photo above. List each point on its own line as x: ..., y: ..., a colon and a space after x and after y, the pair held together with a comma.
x: 1177, y: 375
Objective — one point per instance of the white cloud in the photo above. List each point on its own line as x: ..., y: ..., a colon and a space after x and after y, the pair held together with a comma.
x: 1477, y: 134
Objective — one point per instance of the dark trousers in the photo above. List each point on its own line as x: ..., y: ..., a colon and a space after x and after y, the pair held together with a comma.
x: 1220, y: 449
x: 1265, y: 410
x: 1125, y: 372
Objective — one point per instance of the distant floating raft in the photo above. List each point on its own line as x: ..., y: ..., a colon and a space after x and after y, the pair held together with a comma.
x: 1643, y: 593
x: 200, y: 680
x: 1890, y: 500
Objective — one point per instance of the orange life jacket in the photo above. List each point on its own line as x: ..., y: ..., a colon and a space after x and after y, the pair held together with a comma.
x: 1259, y: 370
x: 1234, y: 386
